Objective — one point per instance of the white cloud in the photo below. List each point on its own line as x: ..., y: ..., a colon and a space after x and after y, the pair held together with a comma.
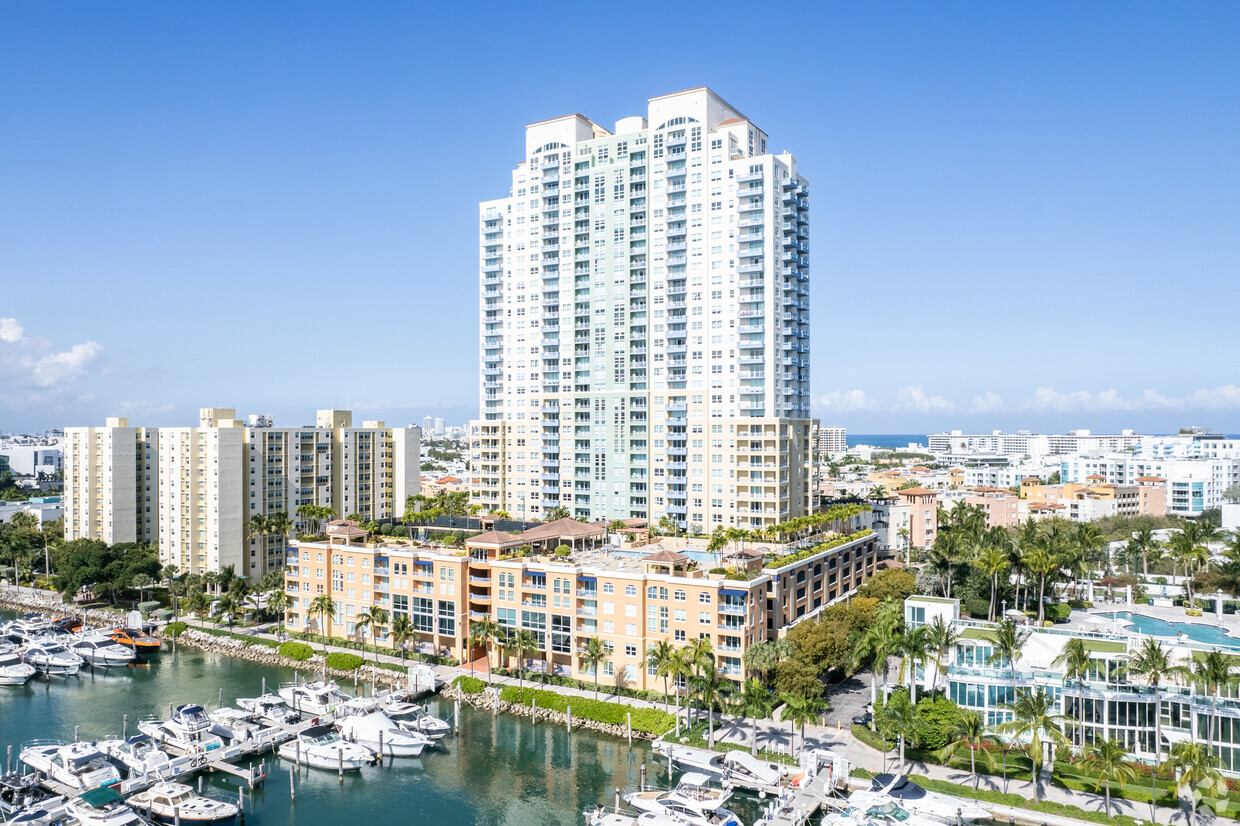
x: 1048, y: 399
x: 845, y: 401
x: 38, y: 366
x: 915, y: 399
x: 10, y: 330
x: 988, y: 402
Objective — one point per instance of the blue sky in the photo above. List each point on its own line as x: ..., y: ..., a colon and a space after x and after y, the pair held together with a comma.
x: 1023, y: 216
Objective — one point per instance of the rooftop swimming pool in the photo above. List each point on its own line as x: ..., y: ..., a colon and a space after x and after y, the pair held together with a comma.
x: 1195, y: 631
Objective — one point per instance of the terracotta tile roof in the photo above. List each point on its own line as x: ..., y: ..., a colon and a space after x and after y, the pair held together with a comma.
x: 665, y: 556
x: 1095, y: 476
x: 732, y: 120
x: 448, y: 480
x: 564, y: 529
x: 1150, y: 479
x: 916, y: 492
x: 493, y: 538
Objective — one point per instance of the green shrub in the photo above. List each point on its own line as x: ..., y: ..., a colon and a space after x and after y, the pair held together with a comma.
x: 1192, y: 612
x: 780, y: 562
x: 871, y: 738
x: 649, y: 720
x: 563, y: 550
x: 1058, y: 612
x: 469, y: 685
x: 344, y: 662
x: 175, y: 629
x: 718, y: 571
x: 149, y: 606
x: 296, y: 651
x: 975, y: 606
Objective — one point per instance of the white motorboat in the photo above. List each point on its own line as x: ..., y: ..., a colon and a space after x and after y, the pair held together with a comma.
x: 187, y: 729
x: 20, y: 792
x: 321, y: 747
x: 238, y: 726
x: 179, y: 803
x: 139, y: 755
x: 76, y: 765
x: 734, y: 768
x: 26, y: 629
x: 413, y: 717
x: 43, y: 814
x: 270, y: 708
x: 313, y: 698
x: 879, y: 809
x: 601, y: 817
x: 941, y: 807
x: 379, y: 734
x: 13, y: 669
x: 101, y: 807
x: 693, y: 801
x: 51, y: 658
x: 99, y: 650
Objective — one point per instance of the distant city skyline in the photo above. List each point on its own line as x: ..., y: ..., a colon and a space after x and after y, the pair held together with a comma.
x: 1024, y: 215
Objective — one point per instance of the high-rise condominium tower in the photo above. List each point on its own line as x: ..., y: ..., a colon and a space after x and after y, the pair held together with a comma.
x: 645, y: 323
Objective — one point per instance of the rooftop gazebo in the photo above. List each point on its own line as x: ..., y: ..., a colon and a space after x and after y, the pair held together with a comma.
x: 666, y: 562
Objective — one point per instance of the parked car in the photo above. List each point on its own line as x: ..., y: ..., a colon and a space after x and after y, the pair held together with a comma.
x: 863, y: 719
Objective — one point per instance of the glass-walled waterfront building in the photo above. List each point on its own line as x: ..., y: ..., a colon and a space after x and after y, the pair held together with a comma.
x: 644, y: 323
x: 1117, y: 705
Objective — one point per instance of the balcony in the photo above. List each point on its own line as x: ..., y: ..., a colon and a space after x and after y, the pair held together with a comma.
x: 754, y: 206
x: 749, y: 177
x: 589, y: 613
x: 744, y: 269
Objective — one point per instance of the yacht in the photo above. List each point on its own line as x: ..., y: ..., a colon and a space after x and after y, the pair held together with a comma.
x: 238, y: 726
x: 99, y: 650
x: 22, y: 791
x: 693, y: 801
x: 26, y: 629
x: 417, y: 718
x: 76, y: 765
x: 313, y: 698
x: 139, y: 641
x: 52, y: 658
x: 379, y: 734
x: 322, y: 748
x: 139, y: 755
x: 187, y: 729
x: 179, y: 803
x: 601, y: 817
x: 270, y: 708
x: 735, y: 768
x: 879, y: 809
x: 101, y: 807
x: 13, y: 670
x: 941, y: 807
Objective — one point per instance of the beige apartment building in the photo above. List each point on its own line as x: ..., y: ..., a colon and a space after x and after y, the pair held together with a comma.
x: 629, y: 600
x: 193, y: 490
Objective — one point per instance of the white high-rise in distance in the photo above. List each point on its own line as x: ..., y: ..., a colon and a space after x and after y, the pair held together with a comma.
x: 644, y: 323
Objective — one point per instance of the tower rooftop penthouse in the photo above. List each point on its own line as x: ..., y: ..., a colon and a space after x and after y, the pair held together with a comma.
x: 644, y: 315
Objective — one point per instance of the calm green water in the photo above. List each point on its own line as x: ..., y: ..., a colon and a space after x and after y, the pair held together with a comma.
x: 499, y: 770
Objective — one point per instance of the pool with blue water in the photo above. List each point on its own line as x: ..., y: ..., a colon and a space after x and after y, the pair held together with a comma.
x: 1195, y: 631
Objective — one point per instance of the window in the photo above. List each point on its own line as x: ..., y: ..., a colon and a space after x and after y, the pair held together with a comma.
x: 630, y: 590
x: 704, y: 598
x: 609, y: 588
x: 630, y: 650
x: 679, y: 596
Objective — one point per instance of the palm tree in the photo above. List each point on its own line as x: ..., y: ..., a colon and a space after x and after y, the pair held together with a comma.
x: 718, y: 541
x: 681, y: 670
x: 1214, y: 672
x: 1145, y: 542
x: 701, y: 657
x: 1185, y: 550
x: 878, y: 492
x: 558, y: 512
x: 1009, y: 639
x: 709, y: 689
x: 483, y: 632
x: 902, y: 717
x: 1108, y: 758
x: 914, y: 646
x: 227, y: 608
x: 1153, y: 662
x: 401, y: 632
x: 755, y: 701
x: 942, y: 638
x: 969, y: 731
x: 141, y: 582
x: 324, y: 609
x: 879, y: 643
x: 373, y: 618
x: 279, y: 601
x: 1035, y: 718
x: 258, y: 525
x: 1196, y: 769
x: 1076, y: 666
x: 1042, y: 560
x: 993, y: 562
x: 660, y: 657
x: 278, y: 524
x: 524, y: 644
x: 800, y: 709
x: 592, y: 655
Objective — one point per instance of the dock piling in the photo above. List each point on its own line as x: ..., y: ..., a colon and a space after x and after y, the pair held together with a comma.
x: 340, y: 764
x: 264, y: 688
x: 75, y: 734
x: 220, y: 702
x: 8, y: 761
x: 629, y: 725
x: 124, y: 726
x: 643, y: 777
x: 533, y: 711
x: 292, y: 790
x: 380, y: 747
x: 176, y: 816
x: 456, y: 716
x: 200, y: 784
x: 569, y: 715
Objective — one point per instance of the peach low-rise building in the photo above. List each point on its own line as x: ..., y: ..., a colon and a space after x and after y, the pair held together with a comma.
x: 923, y: 515
x: 630, y: 601
x: 1001, y: 506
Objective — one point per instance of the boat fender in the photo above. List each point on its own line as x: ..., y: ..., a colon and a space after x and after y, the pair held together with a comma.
x: 784, y: 771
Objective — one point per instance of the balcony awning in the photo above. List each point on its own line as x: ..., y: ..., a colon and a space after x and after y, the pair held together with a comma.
x: 584, y: 578
x: 1174, y: 737
x: 733, y: 592
x: 424, y: 562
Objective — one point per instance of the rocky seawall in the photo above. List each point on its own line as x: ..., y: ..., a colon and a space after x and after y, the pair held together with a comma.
x: 265, y: 655
x: 489, y: 700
